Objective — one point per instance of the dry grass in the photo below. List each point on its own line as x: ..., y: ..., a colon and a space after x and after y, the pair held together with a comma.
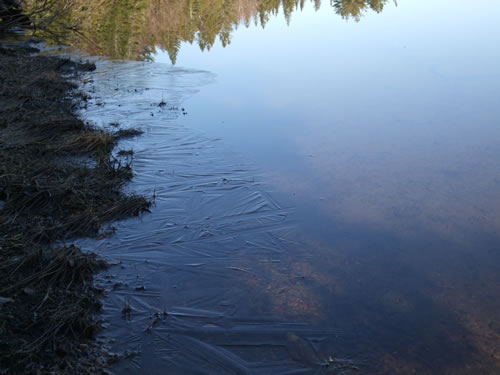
x: 58, y: 180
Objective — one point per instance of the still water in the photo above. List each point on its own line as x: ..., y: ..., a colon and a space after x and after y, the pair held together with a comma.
x: 327, y: 185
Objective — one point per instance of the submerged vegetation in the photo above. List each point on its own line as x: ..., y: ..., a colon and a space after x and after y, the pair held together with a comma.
x: 132, y: 29
x: 58, y: 180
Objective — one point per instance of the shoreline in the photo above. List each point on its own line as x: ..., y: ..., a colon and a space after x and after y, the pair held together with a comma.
x: 58, y: 180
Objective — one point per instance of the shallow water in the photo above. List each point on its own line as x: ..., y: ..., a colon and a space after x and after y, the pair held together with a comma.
x: 323, y: 188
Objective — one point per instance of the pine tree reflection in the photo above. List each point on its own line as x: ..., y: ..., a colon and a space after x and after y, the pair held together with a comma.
x: 133, y: 29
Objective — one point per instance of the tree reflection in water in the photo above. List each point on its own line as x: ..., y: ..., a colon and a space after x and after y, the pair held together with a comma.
x: 133, y: 29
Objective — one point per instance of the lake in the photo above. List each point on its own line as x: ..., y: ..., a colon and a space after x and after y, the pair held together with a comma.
x: 326, y: 180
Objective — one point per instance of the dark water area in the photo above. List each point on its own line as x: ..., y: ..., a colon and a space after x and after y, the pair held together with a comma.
x: 327, y: 187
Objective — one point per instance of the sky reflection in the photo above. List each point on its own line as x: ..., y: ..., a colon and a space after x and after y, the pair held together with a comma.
x: 384, y: 134
x: 382, y: 119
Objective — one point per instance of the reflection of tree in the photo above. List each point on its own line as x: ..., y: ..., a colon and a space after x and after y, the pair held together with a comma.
x: 354, y: 8
x: 133, y: 28
x: 349, y: 8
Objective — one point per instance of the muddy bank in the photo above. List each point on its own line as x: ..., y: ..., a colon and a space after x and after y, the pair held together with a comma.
x: 58, y: 180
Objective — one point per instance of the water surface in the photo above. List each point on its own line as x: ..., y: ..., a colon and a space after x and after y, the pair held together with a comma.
x: 327, y: 186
